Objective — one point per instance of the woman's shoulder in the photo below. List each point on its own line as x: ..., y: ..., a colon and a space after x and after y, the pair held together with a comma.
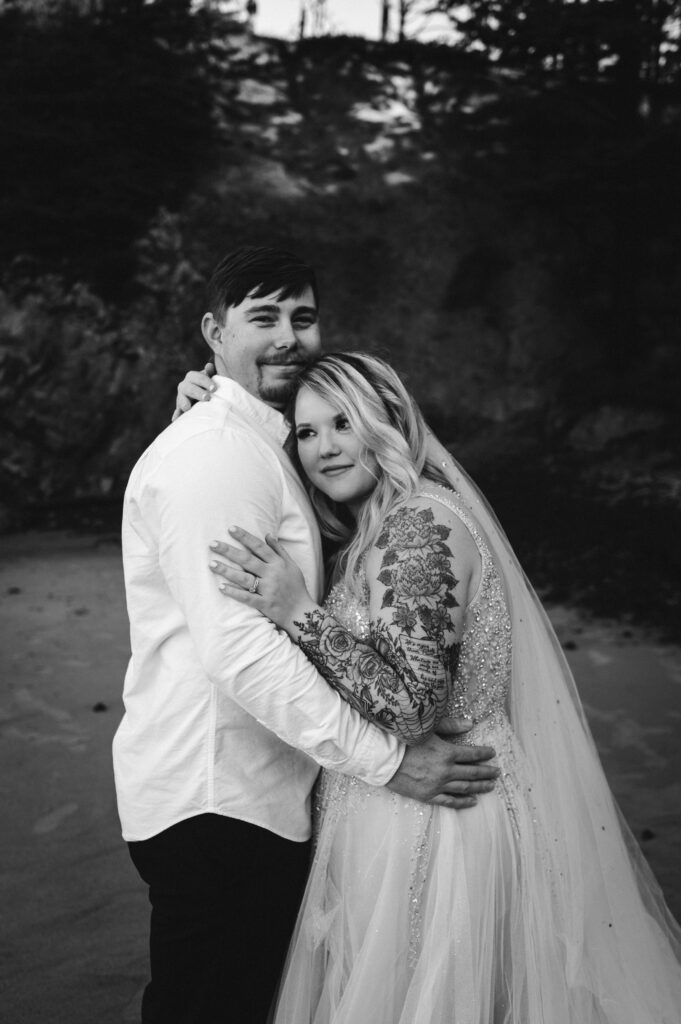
x: 424, y: 544
x: 431, y: 520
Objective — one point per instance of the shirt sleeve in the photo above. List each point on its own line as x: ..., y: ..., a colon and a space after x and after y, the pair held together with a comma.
x: 209, y: 482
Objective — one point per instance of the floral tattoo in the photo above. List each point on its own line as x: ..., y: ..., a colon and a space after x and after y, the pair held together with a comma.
x: 401, y: 678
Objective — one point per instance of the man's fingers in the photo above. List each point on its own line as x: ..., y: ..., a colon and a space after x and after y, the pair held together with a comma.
x: 472, y: 773
x: 453, y: 726
x: 457, y: 803
x: 472, y: 787
x: 462, y: 753
x: 463, y: 794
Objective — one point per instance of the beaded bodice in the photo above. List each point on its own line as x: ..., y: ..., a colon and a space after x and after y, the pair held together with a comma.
x: 481, y: 682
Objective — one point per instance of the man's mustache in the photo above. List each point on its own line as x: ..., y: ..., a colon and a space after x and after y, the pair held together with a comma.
x: 284, y: 361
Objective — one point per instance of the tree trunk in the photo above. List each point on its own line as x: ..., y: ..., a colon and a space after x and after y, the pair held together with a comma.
x: 385, y: 19
x: 319, y: 20
x: 403, y: 11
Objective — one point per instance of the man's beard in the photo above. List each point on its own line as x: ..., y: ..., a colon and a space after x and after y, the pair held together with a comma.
x: 282, y: 391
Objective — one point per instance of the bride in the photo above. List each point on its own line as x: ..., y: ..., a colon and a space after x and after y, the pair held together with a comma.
x: 533, y: 907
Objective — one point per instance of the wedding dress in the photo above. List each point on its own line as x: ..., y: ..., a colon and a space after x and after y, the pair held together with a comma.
x: 529, y: 908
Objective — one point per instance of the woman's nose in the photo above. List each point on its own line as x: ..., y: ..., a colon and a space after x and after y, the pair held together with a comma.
x: 328, y: 445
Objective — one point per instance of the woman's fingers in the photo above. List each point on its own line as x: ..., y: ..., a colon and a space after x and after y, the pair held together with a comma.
x: 194, y: 390
x: 221, y: 547
x: 241, y: 557
x: 182, y: 403
x: 237, y: 577
x: 252, y: 559
x: 196, y: 386
x: 278, y: 548
x: 201, y: 381
x: 244, y: 596
x: 253, y: 548
x: 253, y: 544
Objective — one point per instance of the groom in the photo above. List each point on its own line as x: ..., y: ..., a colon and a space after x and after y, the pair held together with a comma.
x: 225, y: 721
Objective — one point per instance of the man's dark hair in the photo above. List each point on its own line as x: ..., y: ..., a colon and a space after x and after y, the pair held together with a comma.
x: 258, y: 271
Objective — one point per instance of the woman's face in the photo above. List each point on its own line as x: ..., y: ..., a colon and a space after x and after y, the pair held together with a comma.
x: 330, y: 452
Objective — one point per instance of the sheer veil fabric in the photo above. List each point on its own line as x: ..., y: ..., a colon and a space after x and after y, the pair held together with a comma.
x: 618, y: 938
x: 534, y: 907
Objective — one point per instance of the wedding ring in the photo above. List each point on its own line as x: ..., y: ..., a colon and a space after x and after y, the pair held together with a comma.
x: 254, y: 585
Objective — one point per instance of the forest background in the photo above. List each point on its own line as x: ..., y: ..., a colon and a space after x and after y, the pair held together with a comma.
x: 497, y: 214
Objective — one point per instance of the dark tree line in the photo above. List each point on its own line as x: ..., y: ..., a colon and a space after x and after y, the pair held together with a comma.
x: 633, y: 44
x: 537, y: 163
x: 105, y: 117
x: 107, y: 105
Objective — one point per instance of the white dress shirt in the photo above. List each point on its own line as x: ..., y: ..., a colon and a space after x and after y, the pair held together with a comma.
x: 223, y: 714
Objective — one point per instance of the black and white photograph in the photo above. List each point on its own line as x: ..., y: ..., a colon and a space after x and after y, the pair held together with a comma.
x: 340, y: 511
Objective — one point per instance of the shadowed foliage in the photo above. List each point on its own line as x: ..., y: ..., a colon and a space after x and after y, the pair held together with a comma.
x: 502, y: 226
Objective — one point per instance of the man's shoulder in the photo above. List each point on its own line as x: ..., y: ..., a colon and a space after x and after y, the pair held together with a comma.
x: 201, y: 428
x: 197, y: 440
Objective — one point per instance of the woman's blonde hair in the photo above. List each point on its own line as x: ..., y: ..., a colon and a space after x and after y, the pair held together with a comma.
x: 390, y: 427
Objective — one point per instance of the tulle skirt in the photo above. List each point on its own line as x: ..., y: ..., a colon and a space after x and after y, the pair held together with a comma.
x: 417, y: 914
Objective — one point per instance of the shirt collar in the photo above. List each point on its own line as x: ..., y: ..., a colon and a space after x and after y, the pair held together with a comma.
x: 271, y: 420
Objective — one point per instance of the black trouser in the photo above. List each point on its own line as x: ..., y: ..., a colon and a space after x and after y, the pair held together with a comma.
x: 224, y: 897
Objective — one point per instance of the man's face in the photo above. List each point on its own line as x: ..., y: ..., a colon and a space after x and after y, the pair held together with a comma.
x: 264, y: 343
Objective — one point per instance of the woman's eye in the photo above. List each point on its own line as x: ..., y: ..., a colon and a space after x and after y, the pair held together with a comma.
x: 303, y: 434
x: 342, y: 423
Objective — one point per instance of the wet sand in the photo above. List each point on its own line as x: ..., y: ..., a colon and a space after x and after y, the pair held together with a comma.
x: 73, y: 943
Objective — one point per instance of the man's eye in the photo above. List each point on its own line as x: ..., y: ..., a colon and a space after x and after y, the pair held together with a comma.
x: 262, y: 320
x: 304, y: 322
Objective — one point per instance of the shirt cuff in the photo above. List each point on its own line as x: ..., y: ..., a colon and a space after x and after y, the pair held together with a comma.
x: 381, y: 759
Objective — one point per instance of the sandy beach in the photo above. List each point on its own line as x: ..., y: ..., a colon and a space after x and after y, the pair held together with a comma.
x: 73, y: 945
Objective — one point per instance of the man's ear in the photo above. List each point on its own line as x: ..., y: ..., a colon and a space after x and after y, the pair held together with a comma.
x: 212, y: 332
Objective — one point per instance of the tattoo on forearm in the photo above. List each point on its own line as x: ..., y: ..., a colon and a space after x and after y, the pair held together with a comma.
x: 401, y: 679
